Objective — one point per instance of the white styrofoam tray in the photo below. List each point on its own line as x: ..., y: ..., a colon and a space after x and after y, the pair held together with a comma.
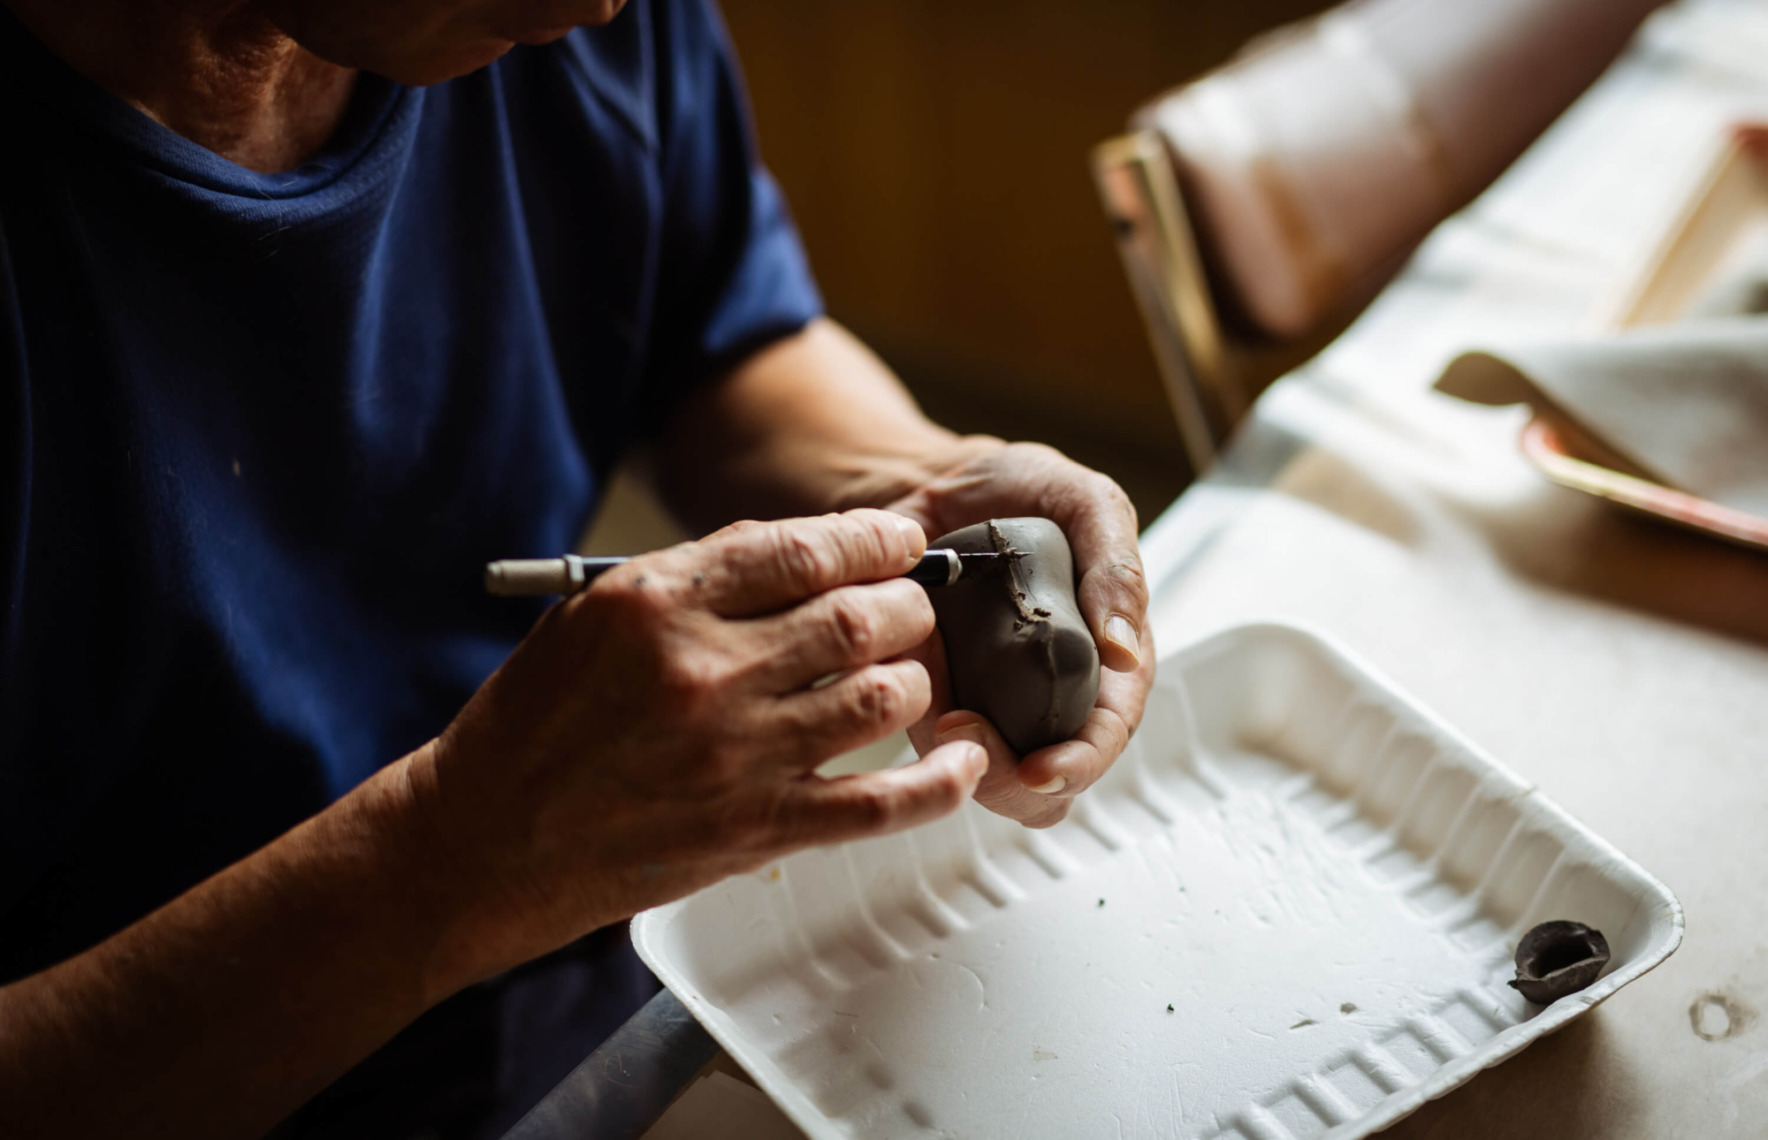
x: 1324, y: 883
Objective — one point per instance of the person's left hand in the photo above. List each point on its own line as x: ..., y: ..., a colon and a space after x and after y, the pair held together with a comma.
x: 991, y: 480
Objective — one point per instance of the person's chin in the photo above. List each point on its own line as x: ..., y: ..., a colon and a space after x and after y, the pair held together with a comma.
x: 579, y: 15
x: 543, y: 36
x: 423, y: 70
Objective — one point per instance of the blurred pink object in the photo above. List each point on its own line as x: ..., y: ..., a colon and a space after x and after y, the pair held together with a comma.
x: 1313, y: 164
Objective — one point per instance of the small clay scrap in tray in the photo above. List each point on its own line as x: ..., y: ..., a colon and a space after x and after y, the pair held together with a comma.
x: 1016, y: 646
x: 1558, y: 958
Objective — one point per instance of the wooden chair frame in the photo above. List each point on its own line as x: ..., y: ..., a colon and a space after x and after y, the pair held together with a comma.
x: 1147, y: 212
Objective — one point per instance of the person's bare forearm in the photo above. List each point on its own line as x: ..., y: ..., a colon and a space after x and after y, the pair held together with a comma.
x: 227, y: 1008
x: 812, y: 423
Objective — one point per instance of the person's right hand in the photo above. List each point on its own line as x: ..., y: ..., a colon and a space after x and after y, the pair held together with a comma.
x: 660, y: 730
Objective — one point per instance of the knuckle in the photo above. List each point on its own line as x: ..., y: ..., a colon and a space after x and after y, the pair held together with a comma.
x: 949, y: 793
x: 1131, y: 717
x: 633, y: 594
x: 1121, y: 499
x: 1000, y: 794
x: 883, y: 539
x: 874, y: 809
x: 854, y: 628
x: 875, y: 699
x: 694, y: 678
x: 1039, y: 452
x: 1118, y: 730
x: 719, y: 763
x: 1106, y: 488
x: 1128, y: 575
x: 808, y: 562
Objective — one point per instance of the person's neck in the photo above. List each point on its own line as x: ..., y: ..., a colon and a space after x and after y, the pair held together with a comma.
x: 217, y: 72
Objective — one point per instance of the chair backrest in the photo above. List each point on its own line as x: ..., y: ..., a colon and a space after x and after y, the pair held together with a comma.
x: 1271, y: 196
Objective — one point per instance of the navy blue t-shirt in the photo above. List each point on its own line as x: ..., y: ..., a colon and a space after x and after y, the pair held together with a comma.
x: 260, y: 432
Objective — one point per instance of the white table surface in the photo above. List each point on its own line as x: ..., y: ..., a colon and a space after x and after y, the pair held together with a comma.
x: 1619, y: 664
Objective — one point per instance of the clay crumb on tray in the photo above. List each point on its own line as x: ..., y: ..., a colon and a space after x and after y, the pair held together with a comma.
x: 1558, y: 958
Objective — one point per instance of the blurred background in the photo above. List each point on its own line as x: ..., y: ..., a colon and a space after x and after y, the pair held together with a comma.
x: 935, y: 155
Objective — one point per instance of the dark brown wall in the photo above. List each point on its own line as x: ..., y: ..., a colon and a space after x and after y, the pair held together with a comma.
x: 935, y: 153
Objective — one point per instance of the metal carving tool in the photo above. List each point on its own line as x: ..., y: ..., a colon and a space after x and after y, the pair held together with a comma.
x: 536, y: 577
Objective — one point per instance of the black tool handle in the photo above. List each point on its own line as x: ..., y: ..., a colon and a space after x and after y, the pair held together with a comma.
x: 937, y: 567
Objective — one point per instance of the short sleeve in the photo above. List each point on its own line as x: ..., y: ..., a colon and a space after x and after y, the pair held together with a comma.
x: 732, y: 273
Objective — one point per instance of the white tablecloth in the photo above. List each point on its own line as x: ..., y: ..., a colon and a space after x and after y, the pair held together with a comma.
x: 1621, y: 665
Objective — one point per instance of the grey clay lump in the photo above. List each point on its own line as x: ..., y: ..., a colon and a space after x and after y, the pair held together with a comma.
x: 1016, y: 647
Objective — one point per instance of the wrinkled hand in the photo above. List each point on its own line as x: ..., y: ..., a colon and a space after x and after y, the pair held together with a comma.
x: 998, y: 480
x: 660, y: 730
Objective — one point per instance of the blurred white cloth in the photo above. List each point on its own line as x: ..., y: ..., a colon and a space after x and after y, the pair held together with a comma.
x: 1620, y: 664
x: 1687, y: 403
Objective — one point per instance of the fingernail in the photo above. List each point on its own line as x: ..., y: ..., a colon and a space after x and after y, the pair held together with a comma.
x: 1055, y: 785
x: 1121, y: 633
x: 911, y: 529
x: 971, y: 732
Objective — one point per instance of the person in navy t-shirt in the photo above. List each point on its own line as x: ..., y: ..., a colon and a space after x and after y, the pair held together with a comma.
x: 308, y: 309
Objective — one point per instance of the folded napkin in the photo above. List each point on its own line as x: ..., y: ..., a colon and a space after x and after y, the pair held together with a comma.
x: 1686, y: 404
